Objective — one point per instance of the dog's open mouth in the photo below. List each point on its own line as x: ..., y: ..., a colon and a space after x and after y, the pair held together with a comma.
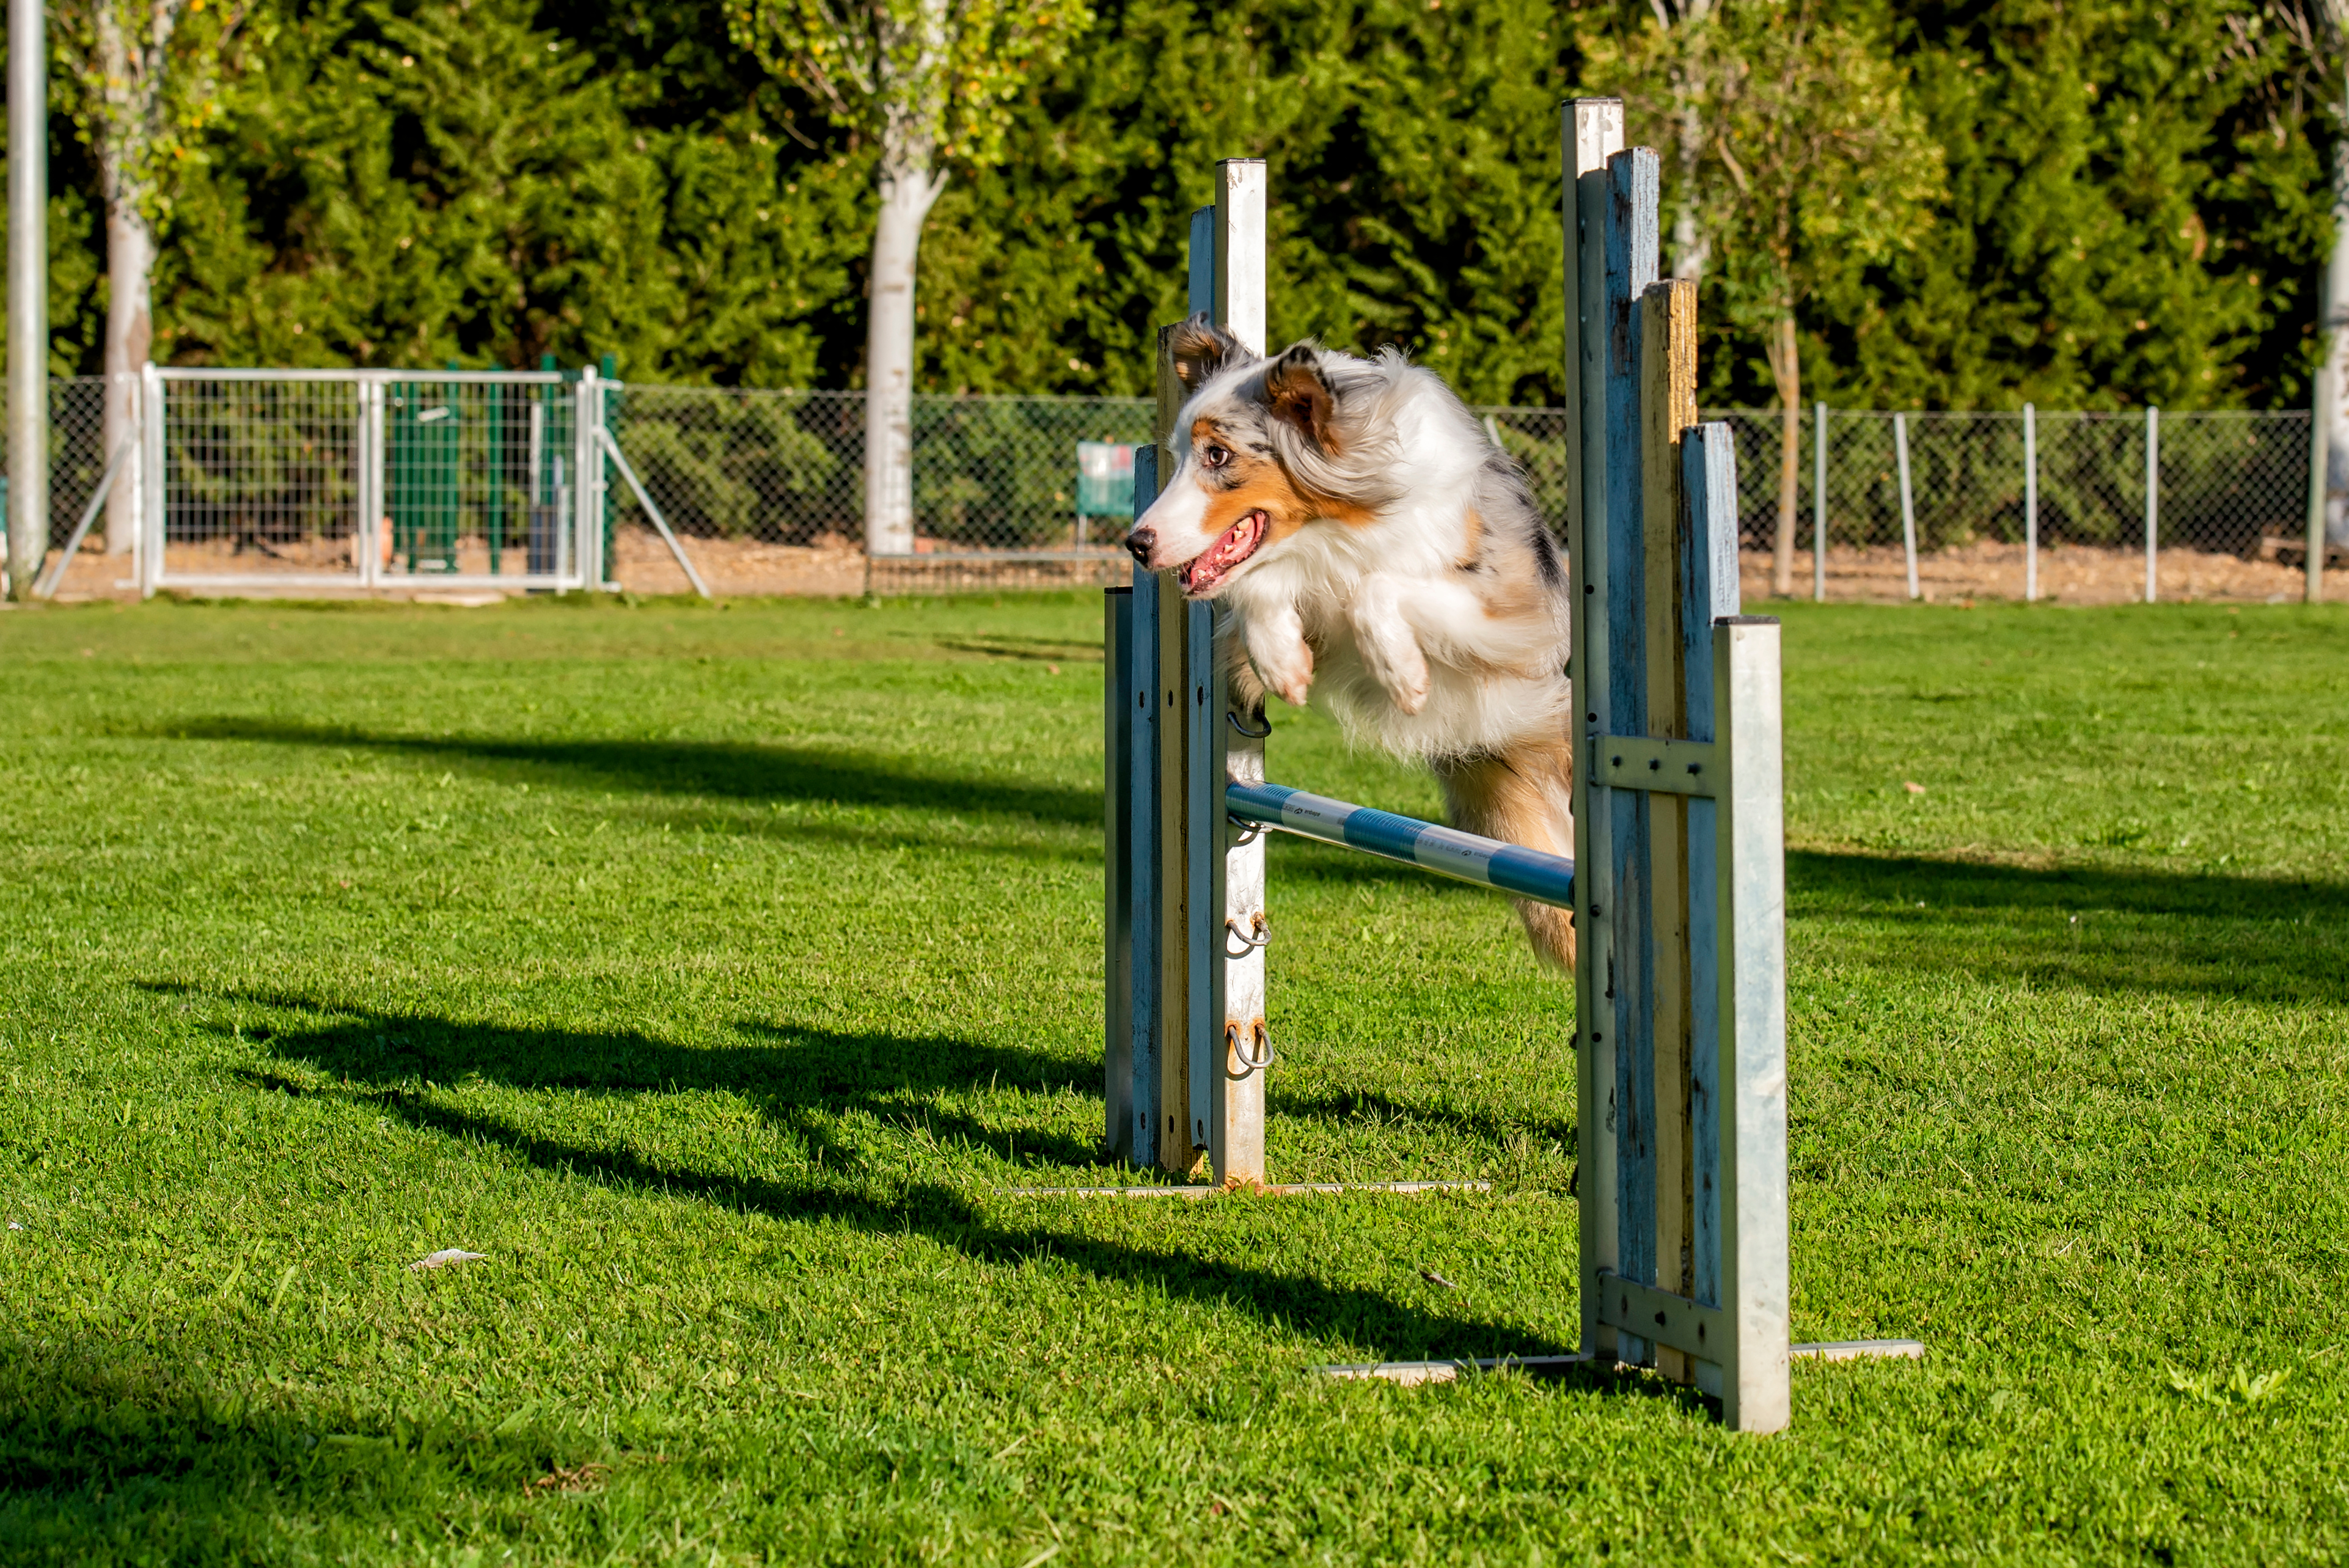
x: 1207, y: 571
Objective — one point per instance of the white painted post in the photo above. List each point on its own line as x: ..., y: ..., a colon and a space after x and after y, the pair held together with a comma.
x: 1819, y: 504
x: 1908, y: 508
x: 2319, y: 421
x: 2030, y: 505
x: 2152, y: 496
x: 1243, y: 1053
x: 148, y: 567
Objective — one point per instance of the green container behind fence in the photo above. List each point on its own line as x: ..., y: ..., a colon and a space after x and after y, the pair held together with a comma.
x: 1104, y: 482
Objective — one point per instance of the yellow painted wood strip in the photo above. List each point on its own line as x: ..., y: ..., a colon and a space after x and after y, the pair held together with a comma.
x: 1668, y: 407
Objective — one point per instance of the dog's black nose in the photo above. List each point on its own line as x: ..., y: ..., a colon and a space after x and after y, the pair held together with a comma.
x: 1139, y: 543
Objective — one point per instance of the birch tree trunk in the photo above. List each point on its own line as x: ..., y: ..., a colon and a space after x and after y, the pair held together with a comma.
x: 2332, y: 403
x: 129, y: 338
x: 907, y: 191
x: 132, y: 70
x: 1786, y: 367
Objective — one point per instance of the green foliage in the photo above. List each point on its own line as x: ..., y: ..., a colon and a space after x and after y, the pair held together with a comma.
x: 906, y: 74
x: 644, y: 188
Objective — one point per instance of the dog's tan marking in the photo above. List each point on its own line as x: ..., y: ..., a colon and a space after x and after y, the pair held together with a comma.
x: 1472, y: 532
x: 1521, y: 795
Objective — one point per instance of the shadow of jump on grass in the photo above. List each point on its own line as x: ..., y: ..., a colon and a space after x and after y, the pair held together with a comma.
x: 802, y: 1080
x: 381, y: 1062
x: 743, y: 770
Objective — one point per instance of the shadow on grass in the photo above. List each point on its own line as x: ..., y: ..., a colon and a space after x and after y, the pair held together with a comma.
x: 740, y: 770
x: 116, y: 1449
x: 805, y: 1079
x: 2099, y: 929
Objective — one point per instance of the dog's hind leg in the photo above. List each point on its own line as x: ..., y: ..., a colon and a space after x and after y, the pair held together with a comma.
x: 1521, y: 795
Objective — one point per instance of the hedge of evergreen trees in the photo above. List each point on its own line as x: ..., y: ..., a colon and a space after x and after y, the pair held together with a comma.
x: 2132, y: 210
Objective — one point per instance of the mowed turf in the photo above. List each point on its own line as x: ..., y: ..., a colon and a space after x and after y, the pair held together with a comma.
x: 713, y: 972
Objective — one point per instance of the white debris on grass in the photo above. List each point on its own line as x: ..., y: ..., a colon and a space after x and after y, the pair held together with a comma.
x: 443, y: 1258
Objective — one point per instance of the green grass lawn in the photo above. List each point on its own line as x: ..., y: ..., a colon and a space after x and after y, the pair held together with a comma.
x: 713, y: 971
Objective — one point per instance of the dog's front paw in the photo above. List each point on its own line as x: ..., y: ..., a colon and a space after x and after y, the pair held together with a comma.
x: 1293, y: 684
x: 1410, y: 696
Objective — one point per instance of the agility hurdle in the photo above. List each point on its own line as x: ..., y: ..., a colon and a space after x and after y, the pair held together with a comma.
x: 1678, y: 879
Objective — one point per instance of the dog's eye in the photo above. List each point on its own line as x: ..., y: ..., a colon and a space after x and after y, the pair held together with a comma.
x: 1215, y: 457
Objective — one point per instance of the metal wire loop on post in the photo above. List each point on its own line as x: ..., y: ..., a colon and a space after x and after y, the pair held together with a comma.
x: 1262, y: 718
x: 1233, y: 932
x: 1249, y: 831
x: 1256, y: 1061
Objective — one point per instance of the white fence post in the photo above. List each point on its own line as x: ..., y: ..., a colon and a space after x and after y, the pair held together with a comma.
x: 1819, y: 504
x: 2152, y: 496
x: 1908, y: 510
x: 154, y: 413
x: 2030, y: 505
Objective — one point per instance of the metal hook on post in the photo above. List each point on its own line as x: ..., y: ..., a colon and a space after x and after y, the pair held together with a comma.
x: 1261, y: 717
x: 1232, y: 932
x: 1262, y: 1057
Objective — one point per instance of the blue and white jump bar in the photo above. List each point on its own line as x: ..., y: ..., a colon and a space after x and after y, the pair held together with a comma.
x: 1447, y: 851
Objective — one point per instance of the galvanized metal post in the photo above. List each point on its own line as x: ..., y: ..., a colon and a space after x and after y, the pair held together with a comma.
x: 1751, y: 900
x: 2152, y: 498
x: 28, y: 294
x: 1908, y: 508
x: 2030, y: 505
x: 1819, y: 504
x: 1592, y: 132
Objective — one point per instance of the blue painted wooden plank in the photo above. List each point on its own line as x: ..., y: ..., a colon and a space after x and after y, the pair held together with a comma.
x: 1631, y: 249
x: 1200, y: 277
x: 1708, y: 590
x: 1117, y: 867
x: 1148, y: 946
x: 1203, y: 864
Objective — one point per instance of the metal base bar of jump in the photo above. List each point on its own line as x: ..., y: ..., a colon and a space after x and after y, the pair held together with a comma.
x: 1677, y: 881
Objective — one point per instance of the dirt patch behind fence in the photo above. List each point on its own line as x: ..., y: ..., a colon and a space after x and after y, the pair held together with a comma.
x: 835, y: 568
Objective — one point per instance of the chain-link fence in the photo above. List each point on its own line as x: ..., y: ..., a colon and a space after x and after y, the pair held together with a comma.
x: 78, y: 454
x: 766, y: 488
x: 2225, y: 482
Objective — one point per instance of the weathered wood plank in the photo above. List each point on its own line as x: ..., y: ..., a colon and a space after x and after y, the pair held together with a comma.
x: 1140, y: 1142
x: 1631, y: 245
x: 1668, y: 406
x: 1709, y: 590
x: 1591, y: 132
x: 1117, y: 863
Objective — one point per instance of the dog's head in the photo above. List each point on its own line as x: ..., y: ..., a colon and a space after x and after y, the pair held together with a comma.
x: 1263, y: 447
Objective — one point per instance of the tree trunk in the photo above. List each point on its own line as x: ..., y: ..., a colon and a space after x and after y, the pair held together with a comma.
x: 2333, y: 401
x: 1691, y: 246
x: 1785, y: 366
x: 129, y: 338
x: 905, y: 199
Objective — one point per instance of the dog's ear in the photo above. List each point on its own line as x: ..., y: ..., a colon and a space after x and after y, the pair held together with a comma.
x: 1300, y: 394
x: 1200, y: 348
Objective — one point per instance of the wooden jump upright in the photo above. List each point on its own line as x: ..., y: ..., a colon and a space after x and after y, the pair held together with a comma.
x: 1678, y: 881
x: 1679, y: 1011
x: 1186, y: 1042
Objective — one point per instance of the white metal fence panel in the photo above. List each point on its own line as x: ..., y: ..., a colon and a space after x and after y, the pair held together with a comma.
x: 275, y: 480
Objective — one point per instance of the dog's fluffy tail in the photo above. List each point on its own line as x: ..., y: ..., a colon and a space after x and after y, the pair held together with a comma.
x: 1521, y: 795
